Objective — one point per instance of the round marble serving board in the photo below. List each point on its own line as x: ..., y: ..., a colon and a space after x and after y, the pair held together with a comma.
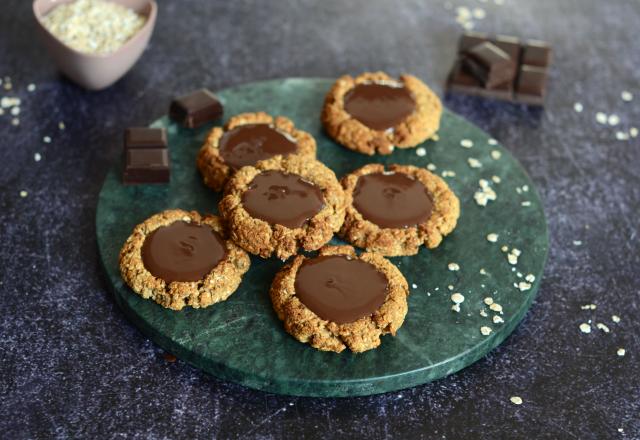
x: 243, y: 341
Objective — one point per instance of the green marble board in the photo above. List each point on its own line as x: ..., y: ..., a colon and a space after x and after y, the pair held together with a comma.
x: 243, y: 341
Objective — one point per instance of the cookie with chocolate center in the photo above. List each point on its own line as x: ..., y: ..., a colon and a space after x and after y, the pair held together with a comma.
x: 394, y: 211
x: 339, y: 300
x: 247, y: 139
x: 283, y: 204
x: 374, y: 112
x: 180, y: 258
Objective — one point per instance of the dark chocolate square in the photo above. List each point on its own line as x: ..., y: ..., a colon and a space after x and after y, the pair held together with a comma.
x: 489, y: 64
x: 511, y: 45
x: 145, y: 137
x: 463, y: 82
x: 196, y: 108
x: 536, y: 53
x: 146, y: 165
x: 532, y: 83
x: 470, y: 39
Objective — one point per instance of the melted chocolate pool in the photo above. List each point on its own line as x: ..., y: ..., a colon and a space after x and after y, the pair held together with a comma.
x: 182, y: 251
x: 392, y: 200
x: 379, y: 106
x: 284, y: 199
x: 250, y: 143
x: 339, y: 289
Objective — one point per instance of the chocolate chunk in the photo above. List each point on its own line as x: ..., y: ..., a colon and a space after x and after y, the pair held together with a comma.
x: 531, y: 87
x: 146, y: 165
x: 196, y: 108
x: 489, y: 64
x: 339, y: 289
x: 392, y: 200
x: 379, y: 106
x: 283, y: 199
x: 182, y: 251
x: 250, y: 143
x: 536, y: 53
x: 523, y: 56
x: 145, y: 137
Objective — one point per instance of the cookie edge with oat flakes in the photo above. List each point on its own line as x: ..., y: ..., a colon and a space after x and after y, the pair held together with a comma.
x: 213, y: 169
x: 392, y: 242
x: 261, y: 238
x: 354, y: 135
x: 358, y: 336
x: 216, y: 286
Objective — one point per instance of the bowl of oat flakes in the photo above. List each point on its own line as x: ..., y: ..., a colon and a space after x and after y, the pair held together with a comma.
x: 95, y: 42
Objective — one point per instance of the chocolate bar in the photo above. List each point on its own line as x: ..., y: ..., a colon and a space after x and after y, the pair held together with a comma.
x: 196, y: 108
x: 531, y: 62
x: 491, y: 65
x: 146, y: 156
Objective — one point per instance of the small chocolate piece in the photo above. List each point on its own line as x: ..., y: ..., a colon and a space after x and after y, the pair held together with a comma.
x: 146, y: 156
x: 524, y: 56
x: 392, y: 200
x: 379, y: 106
x: 489, y: 64
x: 339, y: 289
x: 196, y: 108
x: 182, y: 251
x: 283, y: 199
x: 145, y: 137
x: 250, y: 143
x: 536, y: 53
x: 531, y: 87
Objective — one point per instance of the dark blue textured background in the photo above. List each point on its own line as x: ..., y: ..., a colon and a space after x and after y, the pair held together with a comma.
x: 73, y: 367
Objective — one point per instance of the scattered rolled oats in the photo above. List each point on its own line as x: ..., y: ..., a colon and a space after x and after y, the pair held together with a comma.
x: 577, y: 242
x: 61, y: 125
x: 602, y: 327
x: 496, y: 154
x: 626, y: 95
x: 524, y: 286
x: 466, y: 143
x: 485, y: 193
x: 492, y: 237
x: 588, y: 307
x: 456, y: 308
x: 483, y: 313
x: 578, y: 107
x: 615, y: 318
x: 496, y: 307
x: 421, y: 151
x: 31, y: 87
x: 453, y: 267
x: 530, y: 277
x: 46, y: 140
x: 15, y: 121
x: 482, y: 271
x: 474, y: 163
x: 497, y: 319
x: 585, y: 328
x: 431, y: 167
x: 526, y: 203
x: 492, y: 141
x: 633, y: 132
x: 496, y: 179
x: 37, y: 157
x: 448, y: 173
x: 601, y: 118
x: 457, y: 298
x: 486, y: 331
x: 488, y: 300
x: 613, y: 120
x: 23, y: 194
x: 516, y: 400
x: 622, y: 136
x: 621, y: 352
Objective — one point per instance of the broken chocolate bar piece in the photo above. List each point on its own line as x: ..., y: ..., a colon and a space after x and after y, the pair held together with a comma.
x: 146, y: 156
x: 491, y: 65
x: 531, y: 86
x: 196, y: 108
x: 531, y: 61
x: 145, y: 137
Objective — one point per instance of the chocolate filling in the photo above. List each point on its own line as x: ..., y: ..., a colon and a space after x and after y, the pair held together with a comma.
x: 339, y: 289
x: 392, y: 200
x: 379, y: 106
x: 247, y: 144
x: 281, y: 198
x: 182, y: 251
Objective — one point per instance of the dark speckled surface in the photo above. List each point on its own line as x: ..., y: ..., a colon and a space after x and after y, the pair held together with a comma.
x: 73, y: 367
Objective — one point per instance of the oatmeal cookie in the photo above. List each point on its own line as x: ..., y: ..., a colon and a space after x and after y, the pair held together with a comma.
x: 246, y: 139
x: 339, y: 300
x: 373, y: 112
x: 396, y: 211
x: 180, y: 258
x: 282, y: 204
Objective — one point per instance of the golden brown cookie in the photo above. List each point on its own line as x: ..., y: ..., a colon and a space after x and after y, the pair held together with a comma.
x: 282, y: 204
x: 180, y: 258
x: 242, y: 142
x: 374, y: 112
x: 309, y: 296
x: 394, y: 212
